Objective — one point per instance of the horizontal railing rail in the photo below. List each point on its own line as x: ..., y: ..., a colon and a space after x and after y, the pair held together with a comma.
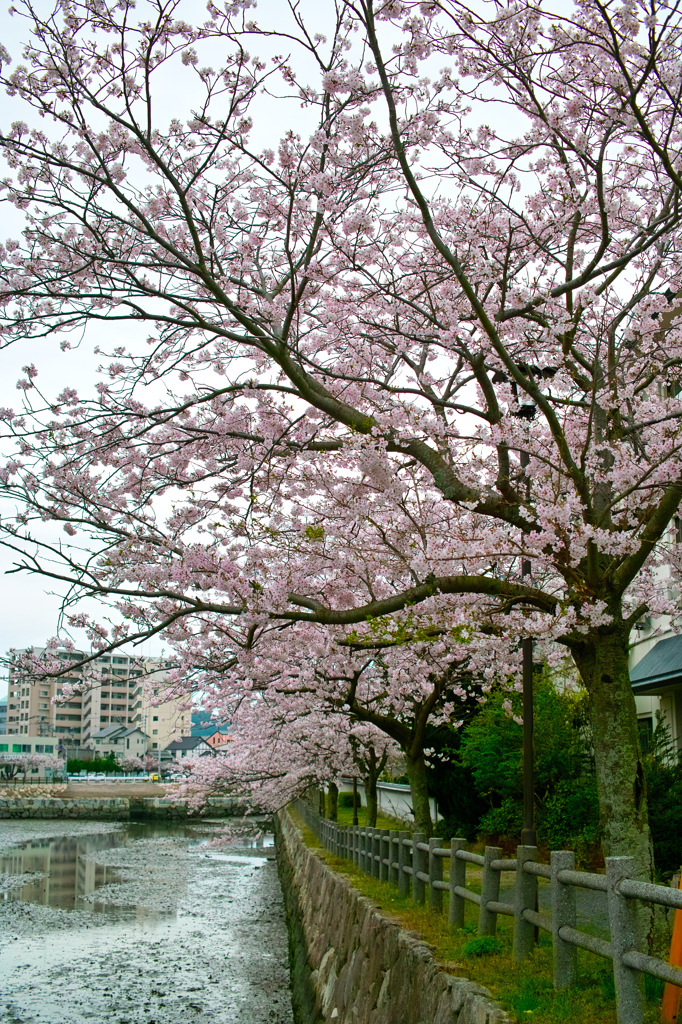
x: 415, y: 865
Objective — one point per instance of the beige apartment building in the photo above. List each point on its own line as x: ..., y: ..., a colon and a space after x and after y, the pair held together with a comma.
x: 122, y: 696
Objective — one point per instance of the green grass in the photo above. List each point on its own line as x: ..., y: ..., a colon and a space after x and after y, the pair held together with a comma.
x: 345, y: 817
x: 526, y: 991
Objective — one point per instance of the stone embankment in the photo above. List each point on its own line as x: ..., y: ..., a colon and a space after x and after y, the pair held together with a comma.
x: 352, y: 965
x: 114, y: 808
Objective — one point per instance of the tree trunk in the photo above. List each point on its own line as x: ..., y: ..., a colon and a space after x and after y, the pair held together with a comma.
x: 416, y: 774
x: 333, y: 801
x: 371, y: 798
x: 323, y: 810
x: 602, y: 660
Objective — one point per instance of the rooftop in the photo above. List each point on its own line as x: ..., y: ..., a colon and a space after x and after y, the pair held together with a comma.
x: 661, y: 667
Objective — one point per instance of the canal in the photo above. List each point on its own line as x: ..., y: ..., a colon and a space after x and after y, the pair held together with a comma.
x: 139, y: 924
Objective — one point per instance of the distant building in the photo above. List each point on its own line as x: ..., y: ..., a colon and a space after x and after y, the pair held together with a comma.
x: 220, y: 738
x: 122, y: 696
x: 216, y: 734
x: 30, y: 707
x: 116, y: 739
x: 3, y: 715
x: 11, y: 744
x: 188, y: 746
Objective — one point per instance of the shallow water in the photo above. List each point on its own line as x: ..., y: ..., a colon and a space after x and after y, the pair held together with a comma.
x: 139, y: 924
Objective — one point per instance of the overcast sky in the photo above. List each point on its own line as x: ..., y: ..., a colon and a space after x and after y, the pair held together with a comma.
x: 30, y: 608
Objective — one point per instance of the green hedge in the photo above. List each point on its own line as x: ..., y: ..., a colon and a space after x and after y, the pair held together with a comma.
x: 346, y: 800
x: 98, y: 764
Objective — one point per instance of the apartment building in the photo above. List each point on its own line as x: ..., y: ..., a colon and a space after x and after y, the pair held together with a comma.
x: 122, y: 696
x: 30, y: 707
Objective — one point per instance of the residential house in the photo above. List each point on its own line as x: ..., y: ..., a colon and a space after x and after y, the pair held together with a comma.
x: 188, y: 747
x: 117, y: 739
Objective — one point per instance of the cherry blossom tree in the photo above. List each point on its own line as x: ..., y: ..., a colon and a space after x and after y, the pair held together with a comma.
x: 429, y: 336
x: 131, y: 764
x: 12, y: 765
x: 374, y: 690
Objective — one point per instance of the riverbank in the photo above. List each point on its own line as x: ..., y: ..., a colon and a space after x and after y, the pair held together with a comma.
x: 355, y: 965
x: 152, y: 924
x: 128, y: 806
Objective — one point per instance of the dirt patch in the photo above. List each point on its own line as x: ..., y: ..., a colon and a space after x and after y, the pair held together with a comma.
x: 110, y: 789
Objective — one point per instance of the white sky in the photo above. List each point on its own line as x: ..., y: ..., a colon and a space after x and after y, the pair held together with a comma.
x: 29, y: 608
x: 29, y: 611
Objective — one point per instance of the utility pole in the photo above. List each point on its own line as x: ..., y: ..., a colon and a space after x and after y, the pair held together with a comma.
x: 528, y: 835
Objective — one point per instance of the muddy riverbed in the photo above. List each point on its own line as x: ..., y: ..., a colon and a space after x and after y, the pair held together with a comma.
x: 137, y: 924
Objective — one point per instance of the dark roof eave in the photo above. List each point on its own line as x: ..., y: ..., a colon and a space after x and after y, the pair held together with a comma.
x: 663, y: 682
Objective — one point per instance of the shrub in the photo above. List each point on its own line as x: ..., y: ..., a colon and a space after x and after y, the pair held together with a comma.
x: 98, y: 764
x: 483, y: 945
x: 346, y: 800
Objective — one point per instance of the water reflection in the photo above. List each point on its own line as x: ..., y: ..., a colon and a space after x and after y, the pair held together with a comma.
x: 181, y: 935
x: 140, y: 869
x: 67, y: 871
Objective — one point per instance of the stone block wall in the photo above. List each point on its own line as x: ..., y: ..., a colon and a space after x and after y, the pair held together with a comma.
x: 114, y: 808
x: 361, y: 967
x: 106, y: 809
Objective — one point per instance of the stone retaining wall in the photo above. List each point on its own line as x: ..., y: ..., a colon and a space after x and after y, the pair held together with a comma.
x: 361, y: 967
x: 114, y: 808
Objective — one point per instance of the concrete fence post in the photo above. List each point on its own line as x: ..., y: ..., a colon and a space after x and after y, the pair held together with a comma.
x: 490, y: 890
x: 376, y: 851
x: 403, y: 862
x: 385, y: 848
x: 366, y: 850
x: 420, y: 863
x: 393, y: 855
x: 563, y: 913
x: 435, y: 875
x: 525, y: 898
x: 625, y: 936
x: 457, y: 878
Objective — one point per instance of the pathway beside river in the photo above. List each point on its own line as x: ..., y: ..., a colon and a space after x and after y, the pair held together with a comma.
x: 135, y: 924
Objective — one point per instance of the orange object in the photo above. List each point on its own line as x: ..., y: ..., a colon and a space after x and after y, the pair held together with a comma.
x: 670, y: 1007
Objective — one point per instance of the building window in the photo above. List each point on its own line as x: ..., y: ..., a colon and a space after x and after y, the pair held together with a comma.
x: 646, y: 732
x: 4, y: 747
x: 155, y: 732
x: 155, y: 718
x: 677, y: 523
